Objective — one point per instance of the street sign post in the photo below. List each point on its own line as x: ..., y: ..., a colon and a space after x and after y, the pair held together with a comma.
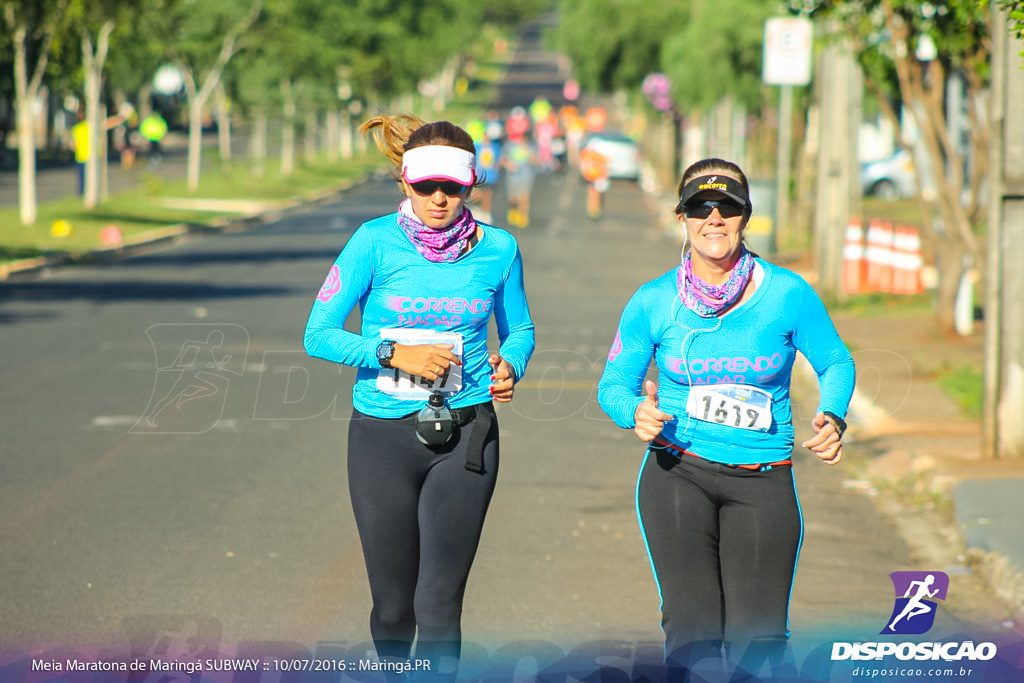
x: 787, y: 51
x: 786, y: 62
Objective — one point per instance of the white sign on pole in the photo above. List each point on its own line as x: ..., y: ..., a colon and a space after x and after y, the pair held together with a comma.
x: 787, y: 51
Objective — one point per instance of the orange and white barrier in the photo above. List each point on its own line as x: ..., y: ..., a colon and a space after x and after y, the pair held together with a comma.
x: 854, y: 261
x: 915, y: 261
x: 879, y: 256
x: 907, y: 261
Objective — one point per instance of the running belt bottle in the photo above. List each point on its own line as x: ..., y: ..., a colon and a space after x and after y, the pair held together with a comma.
x: 434, y: 425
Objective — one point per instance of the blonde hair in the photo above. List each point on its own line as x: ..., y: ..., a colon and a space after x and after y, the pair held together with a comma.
x: 391, y: 134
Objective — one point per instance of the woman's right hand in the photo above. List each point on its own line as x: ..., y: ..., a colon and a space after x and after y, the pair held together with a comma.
x: 429, y: 361
x: 648, y: 419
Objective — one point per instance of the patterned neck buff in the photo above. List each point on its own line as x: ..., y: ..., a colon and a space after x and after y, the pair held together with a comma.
x: 439, y: 246
x: 707, y: 300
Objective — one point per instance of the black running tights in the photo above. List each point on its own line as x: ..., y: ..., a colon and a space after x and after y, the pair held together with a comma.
x: 419, y: 513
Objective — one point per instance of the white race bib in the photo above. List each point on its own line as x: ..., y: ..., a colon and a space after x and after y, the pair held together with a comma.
x: 733, y: 405
x: 402, y: 385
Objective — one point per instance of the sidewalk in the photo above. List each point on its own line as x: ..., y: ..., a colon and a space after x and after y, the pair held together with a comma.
x: 908, y: 435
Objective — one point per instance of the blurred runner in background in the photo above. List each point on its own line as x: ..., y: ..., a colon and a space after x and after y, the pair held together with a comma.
x: 518, y: 159
x: 488, y: 166
x: 575, y: 127
x: 594, y: 169
x: 153, y: 128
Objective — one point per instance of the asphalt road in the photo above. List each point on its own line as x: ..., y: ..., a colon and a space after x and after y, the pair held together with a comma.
x: 217, y: 523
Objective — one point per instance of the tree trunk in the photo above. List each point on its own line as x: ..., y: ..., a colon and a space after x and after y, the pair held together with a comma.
x: 346, y: 144
x: 950, y: 263
x: 309, y: 139
x: 258, y: 143
x: 26, y: 87
x: 288, y: 133
x: 199, y: 94
x: 223, y: 127
x: 922, y: 87
x: 93, y: 62
x: 27, y: 203
x: 332, y: 134
x: 195, y: 142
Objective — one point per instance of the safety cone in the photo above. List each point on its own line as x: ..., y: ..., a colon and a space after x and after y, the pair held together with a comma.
x: 854, y: 261
x: 879, y: 256
x: 915, y: 261
x: 899, y: 261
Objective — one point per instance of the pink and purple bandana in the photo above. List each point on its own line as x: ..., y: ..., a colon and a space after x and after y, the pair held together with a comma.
x: 438, y: 246
x: 708, y: 300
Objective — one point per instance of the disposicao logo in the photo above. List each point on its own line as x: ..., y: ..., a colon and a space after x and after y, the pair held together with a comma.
x: 913, y: 614
x: 916, y: 593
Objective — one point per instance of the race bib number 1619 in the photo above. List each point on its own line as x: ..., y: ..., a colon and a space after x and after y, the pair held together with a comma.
x: 732, y: 405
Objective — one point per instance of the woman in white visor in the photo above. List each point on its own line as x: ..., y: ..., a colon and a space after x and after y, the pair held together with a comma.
x: 423, y: 439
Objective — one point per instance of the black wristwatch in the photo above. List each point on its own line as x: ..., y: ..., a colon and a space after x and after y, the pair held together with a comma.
x: 385, y: 350
x: 837, y: 422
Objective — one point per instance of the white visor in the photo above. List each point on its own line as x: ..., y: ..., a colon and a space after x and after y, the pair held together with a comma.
x: 439, y: 162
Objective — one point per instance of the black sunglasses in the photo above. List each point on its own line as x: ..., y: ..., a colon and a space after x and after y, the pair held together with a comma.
x: 703, y: 209
x: 425, y: 188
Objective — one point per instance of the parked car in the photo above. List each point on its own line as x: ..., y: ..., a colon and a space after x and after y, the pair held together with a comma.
x: 890, y: 178
x: 622, y: 153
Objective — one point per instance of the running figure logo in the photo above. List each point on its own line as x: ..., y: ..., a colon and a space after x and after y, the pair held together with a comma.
x: 916, y: 592
x: 194, y: 366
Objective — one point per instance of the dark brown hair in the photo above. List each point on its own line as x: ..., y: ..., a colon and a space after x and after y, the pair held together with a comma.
x: 709, y: 167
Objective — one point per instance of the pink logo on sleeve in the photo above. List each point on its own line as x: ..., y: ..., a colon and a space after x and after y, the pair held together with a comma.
x: 331, y: 286
x: 616, y: 347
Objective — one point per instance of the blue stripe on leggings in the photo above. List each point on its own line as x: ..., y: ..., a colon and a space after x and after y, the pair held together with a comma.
x: 799, y: 545
x: 643, y: 532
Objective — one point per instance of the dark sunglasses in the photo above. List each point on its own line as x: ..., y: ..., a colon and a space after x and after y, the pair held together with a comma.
x: 704, y: 209
x: 425, y: 188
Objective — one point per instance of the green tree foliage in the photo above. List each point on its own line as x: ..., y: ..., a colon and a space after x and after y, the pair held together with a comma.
x: 885, y: 31
x: 510, y: 13
x: 718, y: 52
x: 137, y: 51
x: 614, y: 44
x: 907, y: 49
x: 395, y: 43
x: 1015, y: 12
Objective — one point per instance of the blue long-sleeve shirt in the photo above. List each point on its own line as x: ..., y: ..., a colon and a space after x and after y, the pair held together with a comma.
x: 396, y: 287
x: 754, y: 345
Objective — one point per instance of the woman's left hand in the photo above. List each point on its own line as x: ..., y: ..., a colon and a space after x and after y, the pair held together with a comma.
x: 503, y: 380
x: 825, y: 443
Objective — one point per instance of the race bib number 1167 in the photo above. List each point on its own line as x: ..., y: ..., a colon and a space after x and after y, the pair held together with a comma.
x: 403, y: 385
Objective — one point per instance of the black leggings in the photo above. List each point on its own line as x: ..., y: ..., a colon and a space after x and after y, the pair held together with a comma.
x: 723, y: 543
x: 419, y: 513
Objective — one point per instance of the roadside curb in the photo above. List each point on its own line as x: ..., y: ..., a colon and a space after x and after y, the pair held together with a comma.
x: 177, y: 233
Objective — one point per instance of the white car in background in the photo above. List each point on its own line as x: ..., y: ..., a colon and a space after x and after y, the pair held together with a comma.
x: 622, y: 152
x: 890, y: 178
